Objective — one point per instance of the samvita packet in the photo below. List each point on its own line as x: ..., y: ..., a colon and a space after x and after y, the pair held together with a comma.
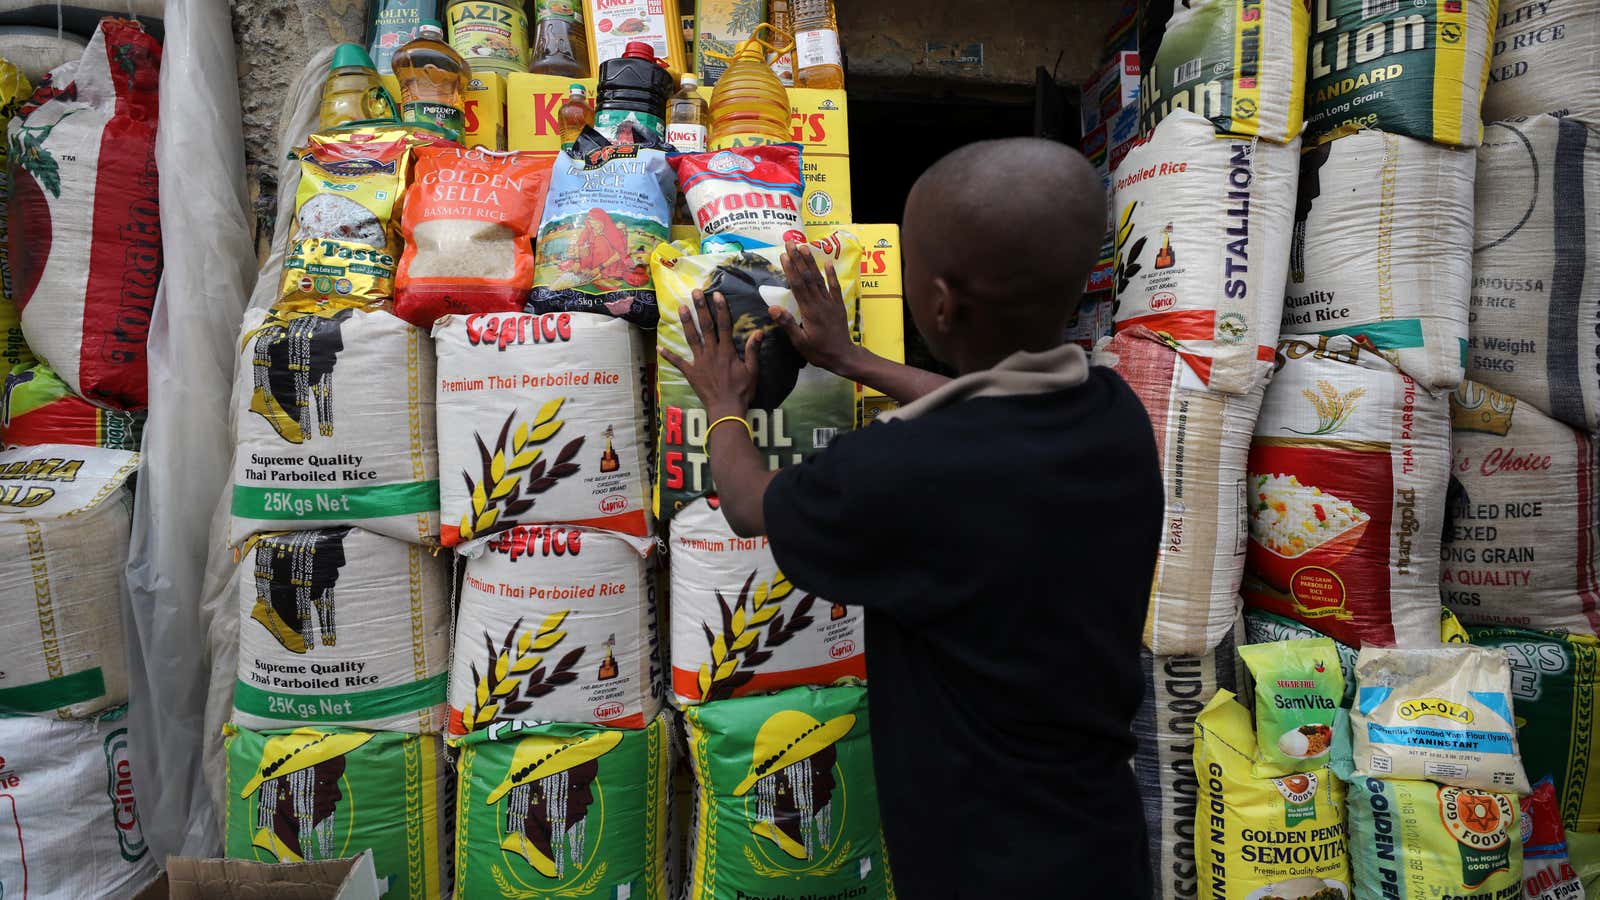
x: 1298, y: 689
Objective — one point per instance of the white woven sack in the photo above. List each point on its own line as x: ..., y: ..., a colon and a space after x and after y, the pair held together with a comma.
x: 1546, y: 60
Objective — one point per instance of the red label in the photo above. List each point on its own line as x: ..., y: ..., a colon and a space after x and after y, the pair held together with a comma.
x: 615, y: 503
x: 608, y: 711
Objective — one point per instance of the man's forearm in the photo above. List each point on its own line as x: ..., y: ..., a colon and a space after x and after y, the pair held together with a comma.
x: 902, y: 382
x: 740, y: 474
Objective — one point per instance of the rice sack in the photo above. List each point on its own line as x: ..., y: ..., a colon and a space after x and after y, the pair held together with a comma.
x: 333, y: 423
x: 37, y: 408
x: 785, y: 795
x: 563, y: 811
x: 1298, y: 688
x: 295, y: 591
x: 1202, y: 244
x: 1384, y: 252
x: 609, y: 206
x: 739, y: 626
x: 1546, y: 60
x: 14, y: 92
x: 71, y: 827
x: 84, y: 220
x: 1416, y: 840
x: 66, y: 515
x: 470, y: 216
x: 1533, y: 308
x: 1204, y: 440
x: 1239, y: 63
x: 557, y: 624
x: 328, y: 793
x: 753, y: 192
x: 1442, y: 715
x: 1407, y: 68
x: 1546, y: 873
x: 797, y: 409
x: 1520, y: 548
x: 1263, y: 837
x: 544, y: 419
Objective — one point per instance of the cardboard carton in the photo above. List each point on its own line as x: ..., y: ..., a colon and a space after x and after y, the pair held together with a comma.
x: 240, y: 879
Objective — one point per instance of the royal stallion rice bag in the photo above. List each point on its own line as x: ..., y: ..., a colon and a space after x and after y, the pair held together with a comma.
x: 1202, y: 244
x: 1204, y: 440
x: 1298, y: 688
x: 1442, y: 715
x: 66, y: 516
x: 542, y: 419
x: 1546, y: 873
x: 1534, y: 303
x: 785, y: 795
x: 563, y: 811
x: 739, y: 626
x: 69, y: 821
x: 333, y: 423
x: 1416, y: 840
x: 37, y: 408
x: 1384, y: 253
x: 1347, y: 473
x: 84, y: 217
x: 1546, y: 60
x: 299, y: 590
x: 330, y: 793
x: 797, y: 409
x: 557, y: 624
x: 1239, y: 63
x: 1411, y: 68
x: 1520, y: 548
x: 1263, y: 837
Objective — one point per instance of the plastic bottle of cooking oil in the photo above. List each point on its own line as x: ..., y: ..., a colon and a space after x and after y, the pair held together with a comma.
x: 687, y: 117
x: 559, y: 44
x: 818, y: 62
x: 433, y: 79
x: 632, y: 95
x: 783, y: 63
x: 353, y: 90
x: 576, y: 114
x: 749, y: 105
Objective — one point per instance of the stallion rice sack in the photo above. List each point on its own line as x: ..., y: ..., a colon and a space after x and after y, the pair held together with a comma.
x: 1239, y: 63
x: 70, y: 826
x: 333, y: 423
x: 1411, y: 68
x: 84, y: 220
x: 563, y: 811
x: 1204, y: 439
x: 1520, y: 548
x: 1546, y: 60
x: 739, y: 626
x: 1546, y: 873
x: 542, y: 418
x: 37, y: 408
x: 557, y: 624
x: 392, y: 599
x: 1442, y: 715
x: 1415, y: 840
x: 1298, y: 689
x: 1177, y: 688
x: 1347, y: 478
x: 66, y: 518
x: 1263, y: 837
x: 1533, y: 306
x: 329, y: 793
x: 786, y: 804
x: 1202, y: 244
x: 1384, y: 253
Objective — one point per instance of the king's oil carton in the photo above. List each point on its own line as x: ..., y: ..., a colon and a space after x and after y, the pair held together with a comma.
x: 533, y: 110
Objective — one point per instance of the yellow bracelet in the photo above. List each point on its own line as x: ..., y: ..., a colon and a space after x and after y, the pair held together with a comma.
x: 705, y: 444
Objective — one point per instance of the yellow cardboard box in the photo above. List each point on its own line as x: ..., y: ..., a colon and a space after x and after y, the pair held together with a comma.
x: 882, y: 301
x: 486, y: 111
x: 533, y: 109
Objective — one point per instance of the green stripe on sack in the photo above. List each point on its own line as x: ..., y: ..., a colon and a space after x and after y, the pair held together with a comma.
x: 371, y: 502
x: 43, y: 696
x: 353, y: 706
x: 1399, y: 334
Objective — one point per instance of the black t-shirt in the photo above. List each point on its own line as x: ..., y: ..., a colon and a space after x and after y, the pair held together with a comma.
x: 1002, y: 548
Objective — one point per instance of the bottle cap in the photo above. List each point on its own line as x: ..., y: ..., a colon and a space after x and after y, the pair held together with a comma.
x: 577, y: 89
x: 639, y: 50
x: 688, y: 80
x: 349, y: 55
x: 430, y: 28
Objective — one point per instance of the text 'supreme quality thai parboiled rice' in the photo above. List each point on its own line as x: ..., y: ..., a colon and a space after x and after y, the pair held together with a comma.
x: 1415, y: 840
x: 1523, y: 514
x: 1202, y: 244
x: 1382, y: 250
x: 1546, y: 60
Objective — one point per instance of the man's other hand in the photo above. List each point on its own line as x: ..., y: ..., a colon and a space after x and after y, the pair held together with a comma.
x: 821, y: 333
x: 724, y: 382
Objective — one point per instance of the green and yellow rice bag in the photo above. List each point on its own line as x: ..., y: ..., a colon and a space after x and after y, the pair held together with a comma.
x: 14, y: 90
x: 1298, y: 689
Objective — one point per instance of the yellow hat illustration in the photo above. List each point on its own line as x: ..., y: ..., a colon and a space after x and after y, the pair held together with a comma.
x: 788, y: 737
x: 300, y: 749
x: 542, y: 756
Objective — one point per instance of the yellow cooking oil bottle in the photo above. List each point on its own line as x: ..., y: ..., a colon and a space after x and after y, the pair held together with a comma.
x: 433, y: 81
x: 749, y: 105
x: 818, y: 62
x: 783, y: 63
x: 353, y: 91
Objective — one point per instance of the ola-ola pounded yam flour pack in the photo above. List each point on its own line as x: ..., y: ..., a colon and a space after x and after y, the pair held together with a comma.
x: 1416, y: 840
x: 1546, y: 873
x: 1382, y: 250
x: 542, y: 419
x: 67, y: 517
x: 37, y: 408
x: 563, y: 810
x: 1533, y: 305
x: 556, y: 624
x: 1546, y: 60
x: 1239, y: 63
x: 312, y: 794
x: 1204, y: 439
x: 71, y: 825
x: 333, y: 423
x: 1520, y: 549
x: 785, y: 798
x: 300, y: 592
x: 1441, y: 714
x: 739, y: 626
x: 1347, y: 472
x: 797, y: 409
x: 1263, y: 837
x: 1202, y: 244
x: 1298, y: 689
x: 1412, y: 68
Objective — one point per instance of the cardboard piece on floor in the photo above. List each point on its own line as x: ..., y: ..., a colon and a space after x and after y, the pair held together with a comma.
x: 241, y: 879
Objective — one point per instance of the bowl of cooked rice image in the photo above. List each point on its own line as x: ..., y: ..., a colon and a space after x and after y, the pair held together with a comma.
x: 1296, y: 525
x: 1301, y: 889
x: 1306, y: 742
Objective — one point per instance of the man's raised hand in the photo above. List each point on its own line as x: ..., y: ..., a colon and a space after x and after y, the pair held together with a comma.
x: 821, y: 333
